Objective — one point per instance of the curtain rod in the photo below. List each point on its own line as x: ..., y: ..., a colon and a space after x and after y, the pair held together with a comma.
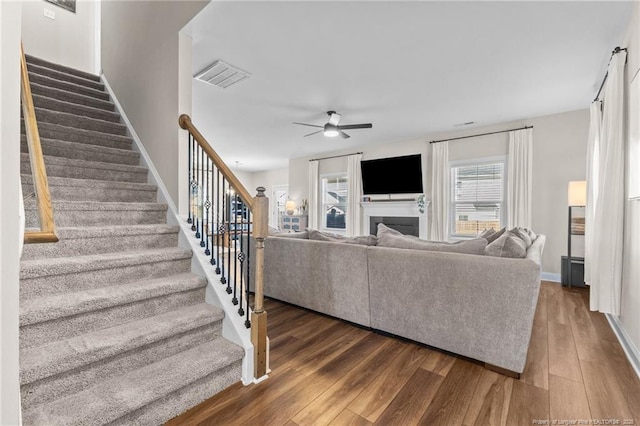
x: 604, y: 80
x: 335, y: 156
x: 482, y: 134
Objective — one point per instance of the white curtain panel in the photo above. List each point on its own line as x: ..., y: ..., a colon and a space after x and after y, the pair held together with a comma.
x: 314, y: 201
x: 520, y: 178
x: 608, y: 217
x: 440, y: 191
x: 354, y: 196
x: 593, y: 146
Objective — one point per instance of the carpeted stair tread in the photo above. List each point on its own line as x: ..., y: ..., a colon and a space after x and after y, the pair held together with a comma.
x: 98, y: 213
x: 71, y: 97
x: 44, y: 63
x: 69, y: 304
x: 89, y: 137
x: 69, y: 87
x: 75, y: 241
x: 69, y: 265
x: 80, y: 151
x: 86, y: 123
x: 64, y: 76
x: 80, y: 169
x: 71, y: 189
x: 63, y: 355
x: 40, y: 101
x: 110, y: 400
x: 92, y: 183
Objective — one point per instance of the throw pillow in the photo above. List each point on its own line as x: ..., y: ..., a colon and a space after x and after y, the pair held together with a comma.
x: 487, y: 233
x: 522, y: 234
x: 532, y: 234
x: 365, y: 240
x: 475, y: 246
x: 491, y: 238
x: 385, y: 230
x: 507, y: 245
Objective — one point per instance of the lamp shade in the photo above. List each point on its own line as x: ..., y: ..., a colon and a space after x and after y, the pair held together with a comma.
x: 290, y: 206
x: 577, y: 193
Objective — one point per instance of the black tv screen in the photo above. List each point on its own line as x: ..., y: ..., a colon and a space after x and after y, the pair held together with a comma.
x: 396, y: 175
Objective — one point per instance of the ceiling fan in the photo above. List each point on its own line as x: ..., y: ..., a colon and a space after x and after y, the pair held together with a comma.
x: 333, y: 129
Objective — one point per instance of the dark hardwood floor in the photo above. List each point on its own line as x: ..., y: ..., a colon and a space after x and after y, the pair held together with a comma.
x: 327, y: 372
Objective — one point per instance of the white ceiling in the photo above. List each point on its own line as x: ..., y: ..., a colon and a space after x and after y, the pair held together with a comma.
x: 410, y: 68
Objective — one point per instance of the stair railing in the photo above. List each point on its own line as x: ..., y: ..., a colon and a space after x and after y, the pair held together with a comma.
x: 47, y: 232
x: 226, y: 218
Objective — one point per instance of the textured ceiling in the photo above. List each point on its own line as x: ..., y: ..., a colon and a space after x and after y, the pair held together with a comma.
x: 410, y: 68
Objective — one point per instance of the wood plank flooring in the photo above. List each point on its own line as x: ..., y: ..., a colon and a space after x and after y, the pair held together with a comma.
x: 327, y: 372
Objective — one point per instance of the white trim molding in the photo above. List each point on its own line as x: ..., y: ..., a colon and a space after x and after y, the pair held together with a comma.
x: 550, y: 276
x: 632, y: 352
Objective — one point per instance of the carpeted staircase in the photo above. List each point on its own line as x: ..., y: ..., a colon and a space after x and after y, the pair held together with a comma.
x: 114, y: 327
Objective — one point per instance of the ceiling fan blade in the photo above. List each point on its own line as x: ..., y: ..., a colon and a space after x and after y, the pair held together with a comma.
x: 343, y: 134
x: 334, y: 118
x: 310, y: 125
x: 355, y: 126
x: 312, y: 133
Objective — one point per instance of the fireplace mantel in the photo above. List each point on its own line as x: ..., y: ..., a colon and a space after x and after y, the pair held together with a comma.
x: 395, y: 208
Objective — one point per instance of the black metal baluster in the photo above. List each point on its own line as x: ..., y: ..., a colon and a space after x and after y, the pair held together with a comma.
x: 198, y: 213
x: 235, y: 249
x: 203, y: 187
x: 223, y: 228
x: 228, y: 224
x: 193, y: 183
x: 216, y: 261
x: 207, y: 204
x: 189, y: 148
x: 241, y: 257
x: 214, y: 227
x: 247, y: 322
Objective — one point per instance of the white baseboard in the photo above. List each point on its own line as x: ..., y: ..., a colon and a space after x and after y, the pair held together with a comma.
x: 632, y: 352
x: 233, y: 325
x: 549, y: 276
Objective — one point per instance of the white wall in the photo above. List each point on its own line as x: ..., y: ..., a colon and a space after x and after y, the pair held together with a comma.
x: 559, y: 157
x: 268, y: 179
x: 67, y: 40
x: 140, y: 59
x: 630, y: 309
x: 9, y: 194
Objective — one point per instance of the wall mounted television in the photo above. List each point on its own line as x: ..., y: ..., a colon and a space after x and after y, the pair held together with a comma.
x: 395, y: 175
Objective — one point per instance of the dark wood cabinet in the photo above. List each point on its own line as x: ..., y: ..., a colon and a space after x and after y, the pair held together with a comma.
x: 577, y: 272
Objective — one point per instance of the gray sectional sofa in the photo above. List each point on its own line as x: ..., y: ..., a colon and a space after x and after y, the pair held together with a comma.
x: 481, y: 307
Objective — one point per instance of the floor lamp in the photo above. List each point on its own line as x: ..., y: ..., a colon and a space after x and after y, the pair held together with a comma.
x: 577, y: 197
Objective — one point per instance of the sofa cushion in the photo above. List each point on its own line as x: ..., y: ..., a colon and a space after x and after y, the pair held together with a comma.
x: 365, y: 240
x: 507, y: 245
x: 475, y: 246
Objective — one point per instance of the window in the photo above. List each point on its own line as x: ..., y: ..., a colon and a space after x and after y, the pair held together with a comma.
x: 334, y: 201
x: 477, y: 197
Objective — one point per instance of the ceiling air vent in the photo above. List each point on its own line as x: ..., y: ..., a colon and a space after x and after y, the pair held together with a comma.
x: 222, y: 75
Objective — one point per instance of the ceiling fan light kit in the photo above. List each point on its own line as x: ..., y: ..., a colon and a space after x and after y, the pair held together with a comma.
x: 332, y: 129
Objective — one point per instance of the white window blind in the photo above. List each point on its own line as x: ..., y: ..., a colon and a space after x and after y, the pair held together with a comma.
x: 334, y: 201
x: 477, y: 197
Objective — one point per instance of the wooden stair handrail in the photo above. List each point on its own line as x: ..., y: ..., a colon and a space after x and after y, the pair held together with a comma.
x: 185, y: 123
x: 47, y: 232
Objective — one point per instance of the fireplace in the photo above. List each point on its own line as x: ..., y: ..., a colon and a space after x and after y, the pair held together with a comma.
x: 402, y: 215
x: 406, y: 225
